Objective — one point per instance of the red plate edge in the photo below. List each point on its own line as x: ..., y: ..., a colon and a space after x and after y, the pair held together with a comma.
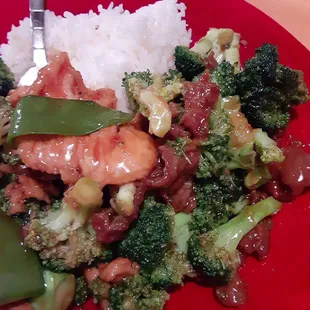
x: 280, y: 282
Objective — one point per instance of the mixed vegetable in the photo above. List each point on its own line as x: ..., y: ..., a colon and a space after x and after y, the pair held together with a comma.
x: 215, y: 179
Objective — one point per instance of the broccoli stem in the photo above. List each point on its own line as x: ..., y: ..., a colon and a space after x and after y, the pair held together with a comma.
x: 231, y: 233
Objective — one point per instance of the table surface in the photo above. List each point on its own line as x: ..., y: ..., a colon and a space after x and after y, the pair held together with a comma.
x: 293, y: 15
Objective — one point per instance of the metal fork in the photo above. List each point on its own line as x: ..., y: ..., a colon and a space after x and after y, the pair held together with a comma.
x: 36, y: 8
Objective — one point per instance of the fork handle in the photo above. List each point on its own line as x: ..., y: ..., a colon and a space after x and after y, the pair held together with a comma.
x: 36, y: 8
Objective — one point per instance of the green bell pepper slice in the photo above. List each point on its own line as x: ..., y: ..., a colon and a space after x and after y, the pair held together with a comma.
x: 21, y: 275
x: 43, y: 115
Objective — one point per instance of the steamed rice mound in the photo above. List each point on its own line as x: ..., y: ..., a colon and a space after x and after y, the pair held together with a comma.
x: 105, y: 45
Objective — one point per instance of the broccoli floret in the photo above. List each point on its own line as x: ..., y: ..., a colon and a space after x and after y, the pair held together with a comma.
x: 59, y: 292
x: 214, y: 156
x: 61, y: 235
x: 81, y: 291
x: 217, y: 156
x: 171, y: 271
x: 215, y: 197
x: 267, y: 148
x: 78, y: 248
x: 224, y: 77
x: 6, y: 79
x: 135, y: 82
x: 148, y: 94
x: 220, y: 123
x: 267, y: 109
x: 56, y: 224
x: 6, y: 112
x: 214, y: 254
x: 219, y: 148
x: 267, y: 90
x: 148, y: 239
x: 188, y: 62
x: 169, y: 85
x: 242, y: 157
x: 99, y: 290
x: 136, y: 293
x: 211, y: 210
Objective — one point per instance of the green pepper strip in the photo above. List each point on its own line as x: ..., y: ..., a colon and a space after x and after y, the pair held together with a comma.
x: 21, y: 275
x: 43, y: 115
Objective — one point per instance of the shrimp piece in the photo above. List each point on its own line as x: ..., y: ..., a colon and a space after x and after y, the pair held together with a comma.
x: 60, y: 80
x: 117, y: 270
x: 113, y: 155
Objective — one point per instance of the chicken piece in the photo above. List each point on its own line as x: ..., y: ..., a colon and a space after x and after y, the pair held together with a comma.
x: 113, y: 155
x: 60, y: 80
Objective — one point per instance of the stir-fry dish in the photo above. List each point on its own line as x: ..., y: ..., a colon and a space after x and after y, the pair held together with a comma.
x: 124, y: 207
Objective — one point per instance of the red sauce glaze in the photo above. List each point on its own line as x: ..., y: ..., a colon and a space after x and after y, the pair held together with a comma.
x: 291, y: 177
x: 210, y: 62
x: 295, y: 170
x: 177, y: 131
x: 233, y: 294
x: 110, y: 226
x: 256, y: 241
x: 257, y: 195
x: 199, y: 97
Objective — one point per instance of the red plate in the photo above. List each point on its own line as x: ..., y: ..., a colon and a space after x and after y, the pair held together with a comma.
x: 280, y: 282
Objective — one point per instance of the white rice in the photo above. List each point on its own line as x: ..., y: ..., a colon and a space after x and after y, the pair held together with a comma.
x: 105, y: 45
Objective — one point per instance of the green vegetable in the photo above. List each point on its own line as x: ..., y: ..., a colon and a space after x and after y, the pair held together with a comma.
x: 20, y: 269
x: 215, y: 197
x: 58, y: 294
x: 81, y: 291
x: 169, y: 85
x: 149, y: 94
x: 62, y: 235
x: 6, y: 79
x: 42, y: 115
x: 133, y: 83
x: 214, y: 156
x: 181, y: 232
x: 171, y: 271
x: 148, y: 239
x: 6, y: 112
x: 267, y: 148
x: 257, y: 177
x: 223, y: 75
x: 99, y: 289
x: 214, y: 255
x: 188, y: 62
x: 136, y: 293
x: 217, y: 156
x: 267, y: 90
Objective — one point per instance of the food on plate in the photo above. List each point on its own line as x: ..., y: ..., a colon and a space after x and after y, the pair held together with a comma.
x: 137, y: 162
